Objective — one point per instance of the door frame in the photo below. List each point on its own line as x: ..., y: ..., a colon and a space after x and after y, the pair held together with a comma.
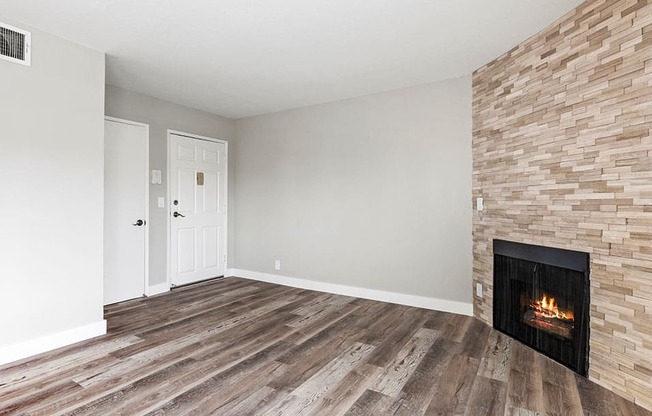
x: 146, y: 291
x: 170, y: 132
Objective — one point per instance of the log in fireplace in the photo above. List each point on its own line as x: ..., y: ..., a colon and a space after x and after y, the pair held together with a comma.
x: 541, y: 298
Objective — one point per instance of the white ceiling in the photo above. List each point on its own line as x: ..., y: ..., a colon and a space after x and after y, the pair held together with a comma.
x: 239, y: 58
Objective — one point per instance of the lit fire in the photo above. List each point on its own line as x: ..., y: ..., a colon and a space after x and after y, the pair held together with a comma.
x: 547, y: 308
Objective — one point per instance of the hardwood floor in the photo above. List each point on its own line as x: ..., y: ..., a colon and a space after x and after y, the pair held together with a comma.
x: 237, y: 347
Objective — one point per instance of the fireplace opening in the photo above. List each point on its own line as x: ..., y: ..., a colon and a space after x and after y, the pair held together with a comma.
x: 544, y: 314
x: 541, y: 298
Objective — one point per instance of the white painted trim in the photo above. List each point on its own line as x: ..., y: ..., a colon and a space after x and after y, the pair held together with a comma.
x: 125, y: 121
x: 168, y: 223
x: 229, y: 273
x: 359, y: 292
x: 51, y: 342
x: 196, y: 136
x: 157, y: 289
x: 168, y: 272
x: 146, y: 219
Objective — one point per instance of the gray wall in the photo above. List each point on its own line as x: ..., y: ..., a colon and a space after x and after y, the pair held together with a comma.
x: 372, y: 192
x: 51, y: 177
x: 161, y: 116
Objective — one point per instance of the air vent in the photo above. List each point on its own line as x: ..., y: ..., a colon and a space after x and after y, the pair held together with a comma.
x: 15, y: 44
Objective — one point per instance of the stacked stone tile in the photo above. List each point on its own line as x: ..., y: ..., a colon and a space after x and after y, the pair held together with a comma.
x: 562, y: 155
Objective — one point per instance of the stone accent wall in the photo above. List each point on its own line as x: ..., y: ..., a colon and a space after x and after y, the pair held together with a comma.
x: 562, y: 155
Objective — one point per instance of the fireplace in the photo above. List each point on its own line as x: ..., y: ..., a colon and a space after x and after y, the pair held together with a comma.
x: 541, y: 298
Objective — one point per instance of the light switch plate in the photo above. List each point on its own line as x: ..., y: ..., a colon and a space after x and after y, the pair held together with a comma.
x: 156, y: 177
x: 161, y: 202
x: 478, y: 289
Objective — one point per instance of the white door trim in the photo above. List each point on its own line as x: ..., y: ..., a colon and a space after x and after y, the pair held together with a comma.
x: 168, y: 266
x: 146, y: 219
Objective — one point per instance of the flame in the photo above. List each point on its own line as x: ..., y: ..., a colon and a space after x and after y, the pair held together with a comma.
x: 547, y: 307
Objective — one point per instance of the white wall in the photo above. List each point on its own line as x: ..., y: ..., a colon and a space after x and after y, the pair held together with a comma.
x: 51, y: 207
x: 161, y: 116
x: 371, y: 192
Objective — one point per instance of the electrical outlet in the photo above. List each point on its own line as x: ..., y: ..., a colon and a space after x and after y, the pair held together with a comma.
x: 478, y: 290
x: 277, y: 264
x: 161, y: 202
x: 479, y: 204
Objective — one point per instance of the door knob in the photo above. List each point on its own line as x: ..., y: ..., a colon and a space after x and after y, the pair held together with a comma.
x: 176, y: 214
x: 139, y: 223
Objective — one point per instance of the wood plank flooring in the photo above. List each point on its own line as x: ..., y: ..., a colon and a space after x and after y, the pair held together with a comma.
x: 238, y: 347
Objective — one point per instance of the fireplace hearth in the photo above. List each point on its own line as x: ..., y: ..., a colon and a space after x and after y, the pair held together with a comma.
x: 541, y: 298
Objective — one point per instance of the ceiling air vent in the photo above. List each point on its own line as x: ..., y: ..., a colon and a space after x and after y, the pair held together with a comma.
x: 15, y: 44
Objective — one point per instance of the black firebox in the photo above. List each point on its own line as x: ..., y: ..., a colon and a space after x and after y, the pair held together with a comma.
x: 541, y: 297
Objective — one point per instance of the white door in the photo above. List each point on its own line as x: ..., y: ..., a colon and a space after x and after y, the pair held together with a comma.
x: 125, y: 209
x: 198, y: 170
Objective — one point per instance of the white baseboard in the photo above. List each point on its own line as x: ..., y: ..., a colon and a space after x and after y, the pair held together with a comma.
x: 156, y: 289
x: 358, y: 292
x: 51, y: 342
x: 229, y: 273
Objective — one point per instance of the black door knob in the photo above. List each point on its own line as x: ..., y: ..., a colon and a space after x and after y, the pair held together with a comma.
x: 176, y: 214
x: 139, y: 223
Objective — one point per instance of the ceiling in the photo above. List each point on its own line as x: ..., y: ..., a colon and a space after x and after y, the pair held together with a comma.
x: 239, y: 58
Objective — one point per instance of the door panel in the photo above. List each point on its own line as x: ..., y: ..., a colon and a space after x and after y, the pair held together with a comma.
x: 211, y: 193
x: 198, y: 174
x: 185, y: 152
x: 211, y: 246
x: 210, y: 157
x: 186, y: 191
x: 187, y: 255
x: 125, y: 202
